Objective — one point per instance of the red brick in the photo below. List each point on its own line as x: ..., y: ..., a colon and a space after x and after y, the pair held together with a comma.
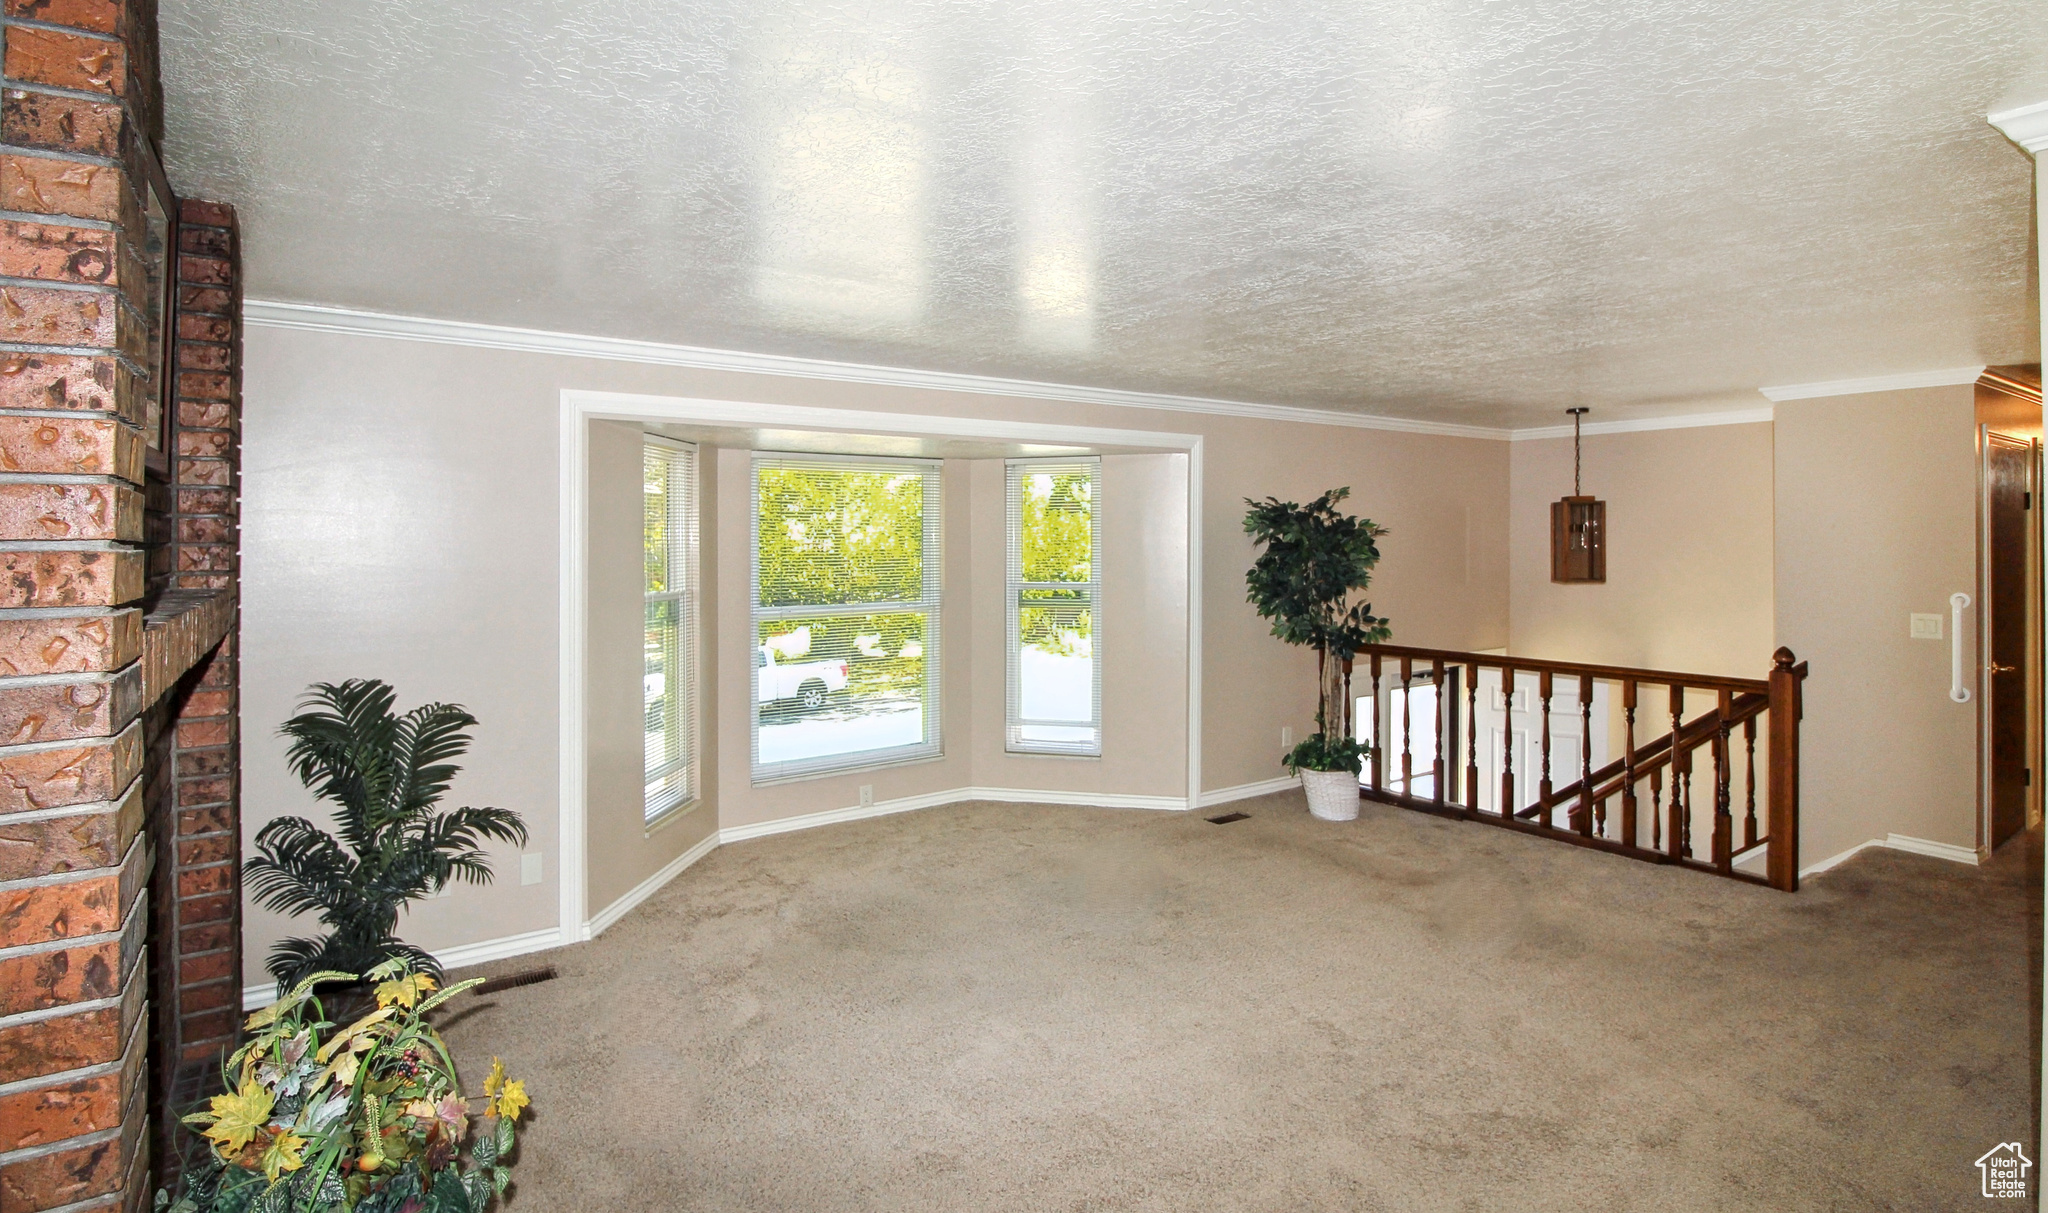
x: 78, y: 382
x: 48, y: 317
x: 195, y: 970
x: 209, y: 214
x: 42, y: 913
x: 195, y: 822
x: 51, y: 1114
x: 61, y: 187
x: 67, y: 578
x: 211, y: 908
x: 41, y: 980
x: 43, y: 779
x: 56, y: 252
x: 71, y: 446
x: 65, y: 844
x: 206, y: 581
x: 84, y: 645
x: 212, y: 996
x: 204, y: 356
x: 207, y: 937
x: 70, y: 511
x: 213, y: 1025
x: 205, y: 444
x: 51, y: 1046
x: 205, y: 501
x: 196, y: 298
x: 218, y: 557
x: 201, y: 704
x: 45, y: 1181
x: 200, y: 881
x: 197, y: 734
x: 215, y: 329
x: 217, y: 849
x: 43, y: 56
x: 99, y: 16
x: 67, y: 710
x: 213, y: 760
x: 204, y: 471
x: 61, y: 124
x: 207, y: 242
x: 206, y: 271
x: 206, y: 385
x: 206, y: 528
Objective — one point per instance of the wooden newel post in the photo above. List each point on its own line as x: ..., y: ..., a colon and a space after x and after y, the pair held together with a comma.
x: 1782, y: 859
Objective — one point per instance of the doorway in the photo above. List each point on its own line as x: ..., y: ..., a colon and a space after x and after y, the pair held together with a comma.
x: 2009, y: 613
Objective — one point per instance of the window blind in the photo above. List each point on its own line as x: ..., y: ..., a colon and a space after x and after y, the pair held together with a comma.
x: 669, y: 679
x: 846, y: 586
x: 1053, y: 596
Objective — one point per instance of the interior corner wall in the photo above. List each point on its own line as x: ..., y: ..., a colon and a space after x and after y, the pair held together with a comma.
x: 1142, y: 626
x: 1876, y: 519
x: 1689, y: 551
x: 622, y: 850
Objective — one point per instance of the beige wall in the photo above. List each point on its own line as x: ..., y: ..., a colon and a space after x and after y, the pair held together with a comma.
x: 1689, y: 552
x: 1876, y: 519
x: 401, y: 521
x: 623, y: 851
x: 1143, y: 634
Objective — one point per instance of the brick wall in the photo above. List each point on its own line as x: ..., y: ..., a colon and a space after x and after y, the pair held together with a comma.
x: 92, y: 524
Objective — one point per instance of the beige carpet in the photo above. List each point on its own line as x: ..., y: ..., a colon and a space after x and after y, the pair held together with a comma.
x: 996, y: 1007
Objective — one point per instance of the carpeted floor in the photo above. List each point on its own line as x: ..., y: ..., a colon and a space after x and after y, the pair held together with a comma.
x: 1002, y: 1007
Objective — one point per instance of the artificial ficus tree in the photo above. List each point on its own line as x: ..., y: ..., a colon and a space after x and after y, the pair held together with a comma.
x: 1315, y: 561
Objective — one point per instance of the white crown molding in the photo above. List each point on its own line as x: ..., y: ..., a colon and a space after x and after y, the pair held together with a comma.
x: 1683, y: 421
x: 312, y: 318
x: 2026, y: 125
x: 1946, y: 377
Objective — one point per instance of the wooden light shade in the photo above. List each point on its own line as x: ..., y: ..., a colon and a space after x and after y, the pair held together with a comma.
x: 1578, y: 528
x: 1578, y: 540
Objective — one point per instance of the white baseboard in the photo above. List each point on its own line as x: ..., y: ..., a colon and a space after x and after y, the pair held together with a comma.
x: 1245, y: 791
x: 932, y: 800
x: 1092, y: 800
x: 461, y: 956
x: 647, y: 888
x: 1898, y: 842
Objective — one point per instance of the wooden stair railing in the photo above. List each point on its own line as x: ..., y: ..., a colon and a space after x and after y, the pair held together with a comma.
x: 1603, y: 807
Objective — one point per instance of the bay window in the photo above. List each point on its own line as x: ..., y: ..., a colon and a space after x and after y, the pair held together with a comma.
x: 668, y: 684
x: 1053, y: 595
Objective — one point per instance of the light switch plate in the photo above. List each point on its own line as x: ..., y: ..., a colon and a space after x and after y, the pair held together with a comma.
x: 867, y: 795
x: 1286, y: 737
x: 529, y: 867
x: 1924, y: 627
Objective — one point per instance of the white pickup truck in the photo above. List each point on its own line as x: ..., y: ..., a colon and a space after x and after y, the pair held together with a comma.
x: 806, y: 682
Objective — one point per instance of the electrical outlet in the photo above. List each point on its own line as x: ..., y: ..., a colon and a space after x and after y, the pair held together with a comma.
x: 1286, y: 737
x: 529, y: 867
x: 1923, y: 627
x: 867, y: 795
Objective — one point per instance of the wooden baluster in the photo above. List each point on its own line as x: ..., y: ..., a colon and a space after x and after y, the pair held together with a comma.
x: 1543, y: 783
x: 1724, y: 833
x: 1407, y: 756
x: 1749, y: 783
x: 1586, y: 824
x: 1379, y: 736
x: 1346, y: 710
x: 1628, y: 762
x: 1656, y: 808
x: 1674, y: 834
x: 1471, y: 741
x: 1437, y: 768
x: 1507, y: 742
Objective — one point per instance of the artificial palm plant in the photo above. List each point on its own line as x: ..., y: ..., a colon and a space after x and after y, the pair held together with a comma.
x: 385, y: 774
x: 1315, y: 561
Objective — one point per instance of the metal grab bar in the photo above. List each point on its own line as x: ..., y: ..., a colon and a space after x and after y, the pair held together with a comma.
x: 1957, y: 604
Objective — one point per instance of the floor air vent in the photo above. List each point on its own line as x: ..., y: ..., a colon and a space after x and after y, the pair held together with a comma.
x: 1227, y: 818
x: 513, y: 981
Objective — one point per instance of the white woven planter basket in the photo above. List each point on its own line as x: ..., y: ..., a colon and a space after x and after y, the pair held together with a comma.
x: 1332, y: 795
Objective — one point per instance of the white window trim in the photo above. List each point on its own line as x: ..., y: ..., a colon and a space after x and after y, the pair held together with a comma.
x: 930, y: 605
x: 1014, y: 585
x: 683, y: 552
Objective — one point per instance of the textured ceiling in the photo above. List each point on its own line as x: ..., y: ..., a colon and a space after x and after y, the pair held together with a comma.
x: 1461, y: 210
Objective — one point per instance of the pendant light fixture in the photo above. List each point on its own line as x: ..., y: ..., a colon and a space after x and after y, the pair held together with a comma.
x: 1578, y: 528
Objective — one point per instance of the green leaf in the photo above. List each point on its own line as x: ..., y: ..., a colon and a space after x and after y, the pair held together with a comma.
x: 504, y: 1137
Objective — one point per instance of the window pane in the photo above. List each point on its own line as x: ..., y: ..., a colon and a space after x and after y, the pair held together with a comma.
x: 661, y: 684
x: 1058, y: 516
x: 839, y: 684
x: 839, y: 535
x: 654, y: 529
x: 1055, y: 660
